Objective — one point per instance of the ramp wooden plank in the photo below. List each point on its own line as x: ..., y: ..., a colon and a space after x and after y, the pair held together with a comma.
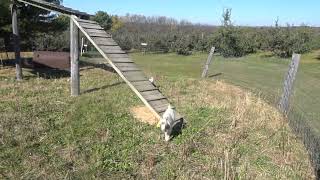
x: 104, y: 41
x: 120, y: 64
x: 128, y: 69
x: 163, y: 105
x: 114, y: 48
x: 159, y: 102
x: 112, y: 56
x: 122, y: 60
x: 86, y: 21
x: 103, y: 35
x: 135, y: 76
x: 90, y: 26
x: 155, y: 92
x: 98, y: 31
x: 154, y: 97
x: 144, y: 86
x: 110, y: 50
x: 142, y: 83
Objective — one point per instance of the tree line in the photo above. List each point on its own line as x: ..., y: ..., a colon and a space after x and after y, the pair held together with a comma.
x: 39, y: 29
x: 168, y: 35
x: 42, y: 30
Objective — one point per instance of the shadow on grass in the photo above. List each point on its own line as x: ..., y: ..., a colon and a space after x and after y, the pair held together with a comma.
x: 46, y: 72
x: 38, y: 70
x: 50, y: 73
x: 88, y: 66
x: 103, y: 87
x: 215, y: 75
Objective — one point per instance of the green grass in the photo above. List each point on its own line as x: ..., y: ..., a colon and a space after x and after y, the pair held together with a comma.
x: 46, y: 134
x: 259, y: 73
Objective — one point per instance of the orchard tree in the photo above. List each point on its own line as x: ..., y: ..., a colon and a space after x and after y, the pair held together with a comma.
x: 30, y: 21
x: 234, y: 41
x: 103, y: 19
x: 116, y: 23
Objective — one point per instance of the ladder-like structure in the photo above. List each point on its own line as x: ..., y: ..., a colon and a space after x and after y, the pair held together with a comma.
x: 118, y: 59
x: 124, y: 66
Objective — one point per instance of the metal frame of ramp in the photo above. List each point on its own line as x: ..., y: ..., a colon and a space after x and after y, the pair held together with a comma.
x: 125, y: 67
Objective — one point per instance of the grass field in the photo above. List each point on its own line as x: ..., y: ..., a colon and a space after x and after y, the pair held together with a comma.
x: 259, y: 73
x: 45, y: 133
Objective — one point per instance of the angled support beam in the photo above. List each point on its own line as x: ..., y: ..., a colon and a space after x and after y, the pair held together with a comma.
x: 54, y: 8
x: 74, y: 59
x: 16, y: 39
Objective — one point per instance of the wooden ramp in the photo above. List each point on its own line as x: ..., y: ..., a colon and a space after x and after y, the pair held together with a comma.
x: 125, y: 67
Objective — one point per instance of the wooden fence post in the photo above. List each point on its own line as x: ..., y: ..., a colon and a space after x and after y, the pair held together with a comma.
x: 284, y: 103
x: 81, y: 48
x: 16, y: 40
x: 206, y: 67
x: 74, y: 59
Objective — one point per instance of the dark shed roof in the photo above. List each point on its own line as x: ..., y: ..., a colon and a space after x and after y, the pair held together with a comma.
x: 56, y: 8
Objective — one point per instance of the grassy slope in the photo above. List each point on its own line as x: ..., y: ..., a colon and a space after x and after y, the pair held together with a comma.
x: 44, y: 133
x: 259, y: 73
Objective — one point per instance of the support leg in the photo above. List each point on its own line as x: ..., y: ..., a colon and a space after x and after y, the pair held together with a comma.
x: 74, y: 55
x: 16, y: 40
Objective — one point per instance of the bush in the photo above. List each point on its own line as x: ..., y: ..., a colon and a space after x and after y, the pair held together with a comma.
x: 234, y: 41
x: 57, y: 41
x: 160, y: 46
x: 289, y: 40
x: 124, y: 41
x: 183, y: 46
x: 103, y: 19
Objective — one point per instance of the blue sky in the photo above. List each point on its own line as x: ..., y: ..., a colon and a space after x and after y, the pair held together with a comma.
x: 244, y: 12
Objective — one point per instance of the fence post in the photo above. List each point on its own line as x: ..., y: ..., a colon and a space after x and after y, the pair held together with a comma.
x: 74, y: 59
x: 16, y: 40
x: 206, y: 67
x: 81, y: 48
x: 288, y: 84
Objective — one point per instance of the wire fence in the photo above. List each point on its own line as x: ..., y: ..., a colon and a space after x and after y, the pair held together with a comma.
x: 266, y: 76
x: 304, y: 114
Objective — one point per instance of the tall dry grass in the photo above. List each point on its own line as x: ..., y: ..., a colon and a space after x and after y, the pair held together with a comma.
x: 256, y: 141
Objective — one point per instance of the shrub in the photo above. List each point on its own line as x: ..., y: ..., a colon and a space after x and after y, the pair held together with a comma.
x: 56, y: 41
x: 234, y: 41
x: 125, y: 42
x: 103, y: 19
x: 289, y: 40
x: 161, y: 46
x: 183, y: 46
